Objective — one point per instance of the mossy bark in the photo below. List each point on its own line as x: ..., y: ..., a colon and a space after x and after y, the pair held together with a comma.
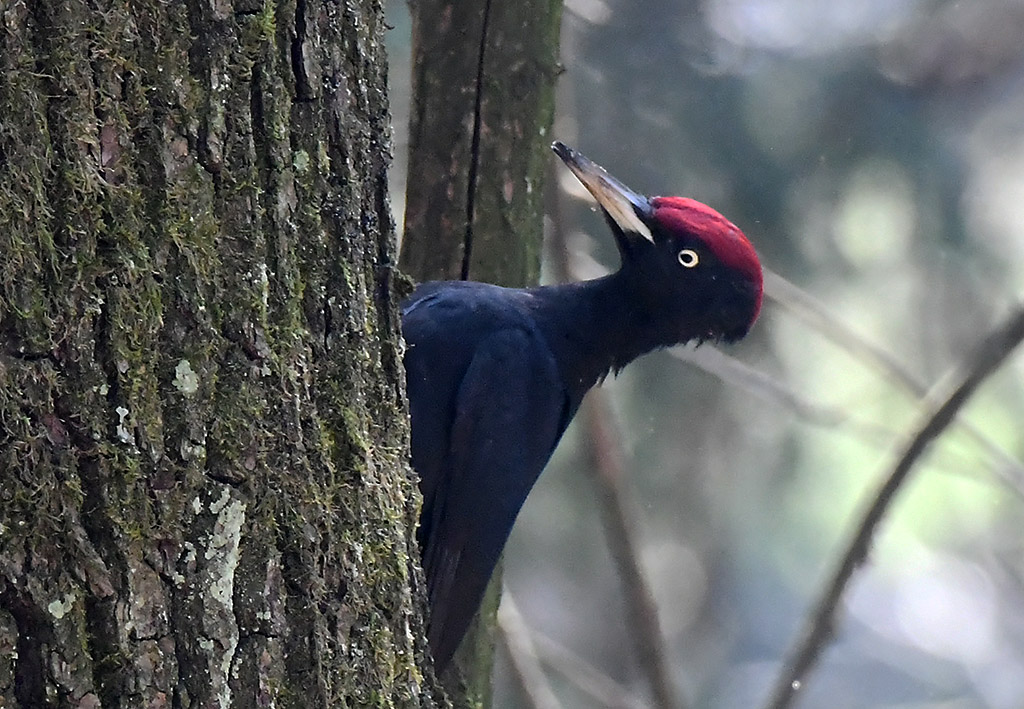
x: 205, y: 499
x: 482, y: 108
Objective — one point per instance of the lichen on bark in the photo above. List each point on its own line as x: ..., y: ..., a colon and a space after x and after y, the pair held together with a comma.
x: 205, y: 497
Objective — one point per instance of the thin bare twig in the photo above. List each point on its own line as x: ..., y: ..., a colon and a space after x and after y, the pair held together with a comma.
x: 518, y: 640
x: 809, y: 309
x: 938, y: 410
x: 640, y: 604
x: 806, y: 307
x: 732, y: 371
x: 584, y: 676
x: 527, y: 645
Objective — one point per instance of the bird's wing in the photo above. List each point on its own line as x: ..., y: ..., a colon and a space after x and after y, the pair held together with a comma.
x: 510, y: 411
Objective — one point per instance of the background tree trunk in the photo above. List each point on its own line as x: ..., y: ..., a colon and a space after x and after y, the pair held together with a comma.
x: 482, y: 108
x: 205, y: 499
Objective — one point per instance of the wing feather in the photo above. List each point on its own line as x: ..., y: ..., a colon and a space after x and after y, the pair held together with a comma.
x: 509, y: 413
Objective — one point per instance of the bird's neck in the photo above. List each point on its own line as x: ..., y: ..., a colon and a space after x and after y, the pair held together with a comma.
x: 595, y: 327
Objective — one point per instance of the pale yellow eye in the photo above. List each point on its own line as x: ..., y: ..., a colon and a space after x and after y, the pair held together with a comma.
x: 688, y: 258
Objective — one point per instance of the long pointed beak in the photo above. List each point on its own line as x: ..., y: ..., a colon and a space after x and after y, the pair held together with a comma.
x: 623, y: 205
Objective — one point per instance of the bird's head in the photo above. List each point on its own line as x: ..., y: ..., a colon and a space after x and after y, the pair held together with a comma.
x: 687, y: 264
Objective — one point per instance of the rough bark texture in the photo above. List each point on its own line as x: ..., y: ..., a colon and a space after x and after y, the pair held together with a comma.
x: 205, y: 500
x: 482, y: 108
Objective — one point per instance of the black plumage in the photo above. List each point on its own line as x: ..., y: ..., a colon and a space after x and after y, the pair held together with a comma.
x: 496, y: 374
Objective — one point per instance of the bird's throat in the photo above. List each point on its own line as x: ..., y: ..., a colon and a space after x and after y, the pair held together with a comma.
x: 595, y: 327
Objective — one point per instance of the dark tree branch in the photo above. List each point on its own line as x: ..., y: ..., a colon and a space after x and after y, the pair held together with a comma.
x: 938, y: 411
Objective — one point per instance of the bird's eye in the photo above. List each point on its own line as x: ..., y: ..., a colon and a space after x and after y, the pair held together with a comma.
x: 688, y: 258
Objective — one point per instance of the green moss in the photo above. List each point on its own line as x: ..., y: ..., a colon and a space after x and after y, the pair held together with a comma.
x: 266, y: 21
x: 166, y: 253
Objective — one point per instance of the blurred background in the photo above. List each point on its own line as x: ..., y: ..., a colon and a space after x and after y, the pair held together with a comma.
x: 873, y: 151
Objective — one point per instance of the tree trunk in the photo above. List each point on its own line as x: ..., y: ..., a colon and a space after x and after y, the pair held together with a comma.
x: 205, y: 499
x: 482, y: 108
